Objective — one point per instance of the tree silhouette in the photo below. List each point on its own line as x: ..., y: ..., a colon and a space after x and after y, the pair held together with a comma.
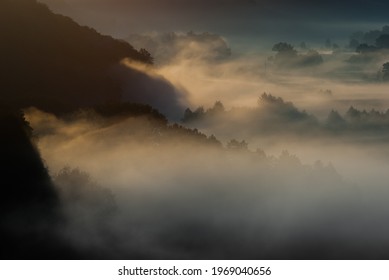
x: 328, y: 43
x: 385, y: 71
x: 371, y: 36
x: 382, y: 42
x: 217, y: 108
x: 189, y: 115
x: 365, y: 48
x: 311, y: 58
x: 335, y: 120
x: 79, y: 191
x: 287, y: 56
x: 236, y: 145
x: 284, y: 51
x: 146, y: 56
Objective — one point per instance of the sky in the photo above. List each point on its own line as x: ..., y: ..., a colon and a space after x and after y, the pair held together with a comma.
x: 247, y: 20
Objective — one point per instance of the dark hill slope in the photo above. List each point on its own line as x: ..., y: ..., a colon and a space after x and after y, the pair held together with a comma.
x: 49, y: 61
x: 30, y: 214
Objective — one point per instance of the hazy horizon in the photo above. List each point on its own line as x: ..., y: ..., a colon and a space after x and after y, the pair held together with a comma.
x: 245, y: 23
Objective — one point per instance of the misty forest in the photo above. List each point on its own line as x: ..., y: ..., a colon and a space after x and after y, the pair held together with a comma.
x: 190, y: 129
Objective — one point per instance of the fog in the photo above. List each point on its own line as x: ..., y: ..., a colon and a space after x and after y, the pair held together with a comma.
x: 131, y: 188
x: 208, y: 69
x: 281, y: 154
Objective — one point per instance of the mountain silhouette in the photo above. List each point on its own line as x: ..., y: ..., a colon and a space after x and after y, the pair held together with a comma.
x: 51, y: 62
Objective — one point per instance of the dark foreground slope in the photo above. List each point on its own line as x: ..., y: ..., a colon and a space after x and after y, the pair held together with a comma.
x: 29, y: 205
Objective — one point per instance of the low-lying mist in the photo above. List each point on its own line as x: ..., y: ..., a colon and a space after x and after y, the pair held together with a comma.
x: 323, y: 82
x: 133, y: 187
x: 317, y: 78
